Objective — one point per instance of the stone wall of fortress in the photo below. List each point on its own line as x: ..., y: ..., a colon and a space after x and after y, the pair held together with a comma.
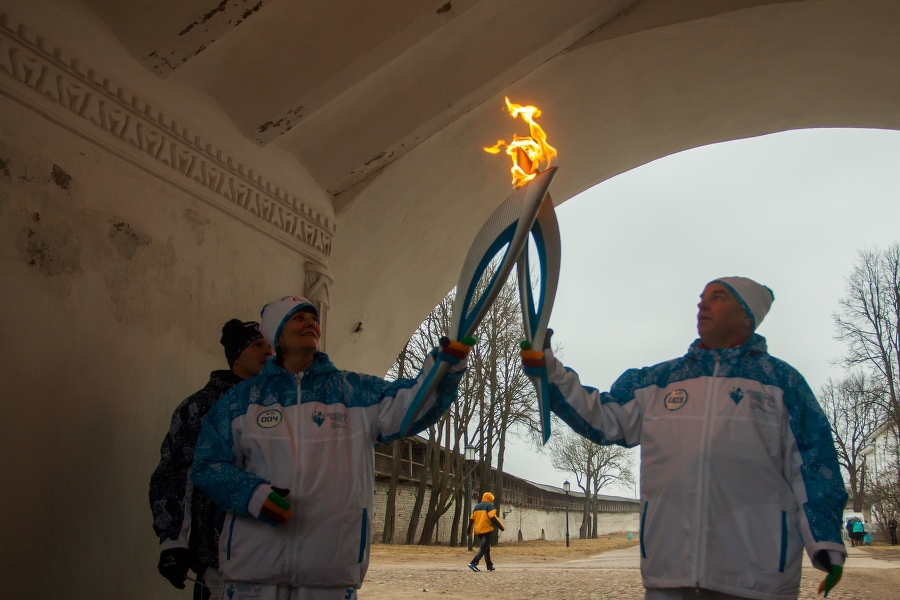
x: 533, y: 523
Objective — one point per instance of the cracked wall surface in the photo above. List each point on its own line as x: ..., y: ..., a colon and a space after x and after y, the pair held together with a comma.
x: 115, y: 288
x: 199, y: 34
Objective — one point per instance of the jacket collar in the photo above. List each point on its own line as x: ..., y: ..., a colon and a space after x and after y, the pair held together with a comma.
x: 223, y: 379
x: 321, y: 364
x: 755, y: 345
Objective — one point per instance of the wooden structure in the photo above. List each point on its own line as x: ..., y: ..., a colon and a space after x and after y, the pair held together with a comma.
x: 517, y: 492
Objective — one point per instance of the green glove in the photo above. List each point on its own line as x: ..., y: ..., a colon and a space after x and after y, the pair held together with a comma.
x: 831, y: 580
x: 834, y: 573
x: 276, y: 509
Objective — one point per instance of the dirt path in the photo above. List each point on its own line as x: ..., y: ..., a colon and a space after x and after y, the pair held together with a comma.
x: 549, y: 570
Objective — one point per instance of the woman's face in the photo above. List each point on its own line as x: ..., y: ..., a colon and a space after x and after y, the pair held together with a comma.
x: 301, y: 332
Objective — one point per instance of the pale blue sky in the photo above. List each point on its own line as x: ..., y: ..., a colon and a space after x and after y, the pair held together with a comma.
x: 789, y: 210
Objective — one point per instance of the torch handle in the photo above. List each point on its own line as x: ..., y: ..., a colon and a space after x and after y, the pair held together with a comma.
x: 536, y: 315
x: 542, y: 389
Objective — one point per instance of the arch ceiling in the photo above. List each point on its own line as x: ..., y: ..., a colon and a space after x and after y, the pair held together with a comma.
x: 388, y: 103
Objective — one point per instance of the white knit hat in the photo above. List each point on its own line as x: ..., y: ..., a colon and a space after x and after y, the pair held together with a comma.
x: 754, y: 297
x: 275, y: 314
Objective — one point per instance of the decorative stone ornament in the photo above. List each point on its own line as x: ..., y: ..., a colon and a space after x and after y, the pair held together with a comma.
x: 42, y: 76
x: 317, y: 290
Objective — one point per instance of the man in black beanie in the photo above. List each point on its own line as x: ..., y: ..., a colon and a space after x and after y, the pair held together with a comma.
x: 184, y: 518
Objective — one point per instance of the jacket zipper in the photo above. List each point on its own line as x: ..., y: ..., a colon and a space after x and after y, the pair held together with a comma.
x: 296, y: 517
x: 704, y: 475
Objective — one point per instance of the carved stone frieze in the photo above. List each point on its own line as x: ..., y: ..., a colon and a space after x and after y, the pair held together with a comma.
x: 37, y: 73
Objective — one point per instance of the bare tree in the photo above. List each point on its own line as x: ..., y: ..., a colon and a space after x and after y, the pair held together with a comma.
x: 390, y: 511
x: 869, y: 321
x: 496, y: 400
x: 571, y: 453
x: 594, y: 467
x: 411, y: 360
x: 855, y: 412
x: 613, y: 464
x: 506, y: 398
x: 883, y: 489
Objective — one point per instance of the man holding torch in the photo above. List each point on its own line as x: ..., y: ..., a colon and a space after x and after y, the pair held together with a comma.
x: 738, y: 467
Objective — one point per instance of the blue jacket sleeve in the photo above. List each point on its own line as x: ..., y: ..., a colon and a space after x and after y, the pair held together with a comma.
x: 217, y: 455
x: 396, y: 398
x: 603, y: 418
x: 812, y: 469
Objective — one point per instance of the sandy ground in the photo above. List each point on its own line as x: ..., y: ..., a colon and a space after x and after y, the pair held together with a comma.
x: 883, y: 552
x: 604, y: 568
x: 536, y: 551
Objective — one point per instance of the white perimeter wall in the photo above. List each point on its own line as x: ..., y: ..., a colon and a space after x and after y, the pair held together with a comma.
x: 530, y: 521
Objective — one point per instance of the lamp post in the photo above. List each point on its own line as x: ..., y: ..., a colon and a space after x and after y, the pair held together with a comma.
x: 566, y: 488
x: 470, y: 464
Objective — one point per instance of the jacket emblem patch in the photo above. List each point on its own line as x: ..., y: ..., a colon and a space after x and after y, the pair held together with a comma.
x: 762, y: 402
x: 675, y: 399
x: 268, y: 419
x: 338, y: 419
x: 243, y: 591
x: 736, y: 395
x: 318, y: 418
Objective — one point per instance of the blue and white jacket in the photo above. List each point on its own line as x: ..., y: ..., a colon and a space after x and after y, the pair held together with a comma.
x: 314, y: 434
x: 738, y: 467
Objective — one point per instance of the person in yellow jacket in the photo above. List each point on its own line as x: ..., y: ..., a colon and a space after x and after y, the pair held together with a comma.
x: 482, y: 522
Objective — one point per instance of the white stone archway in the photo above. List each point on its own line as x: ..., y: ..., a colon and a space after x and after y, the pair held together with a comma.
x: 612, y: 102
x: 142, y: 203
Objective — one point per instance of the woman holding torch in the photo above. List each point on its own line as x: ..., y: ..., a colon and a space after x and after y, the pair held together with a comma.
x: 289, y: 455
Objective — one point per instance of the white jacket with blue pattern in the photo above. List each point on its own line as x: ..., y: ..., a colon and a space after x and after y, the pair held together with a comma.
x: 315, y: 435
x: 738, y: 467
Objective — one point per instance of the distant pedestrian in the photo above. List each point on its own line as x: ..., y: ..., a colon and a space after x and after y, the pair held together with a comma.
x: 867, y: 538
x: 849, y: 528
x: 483, y: 521
x: 858, y: 531
x: 892, y: 527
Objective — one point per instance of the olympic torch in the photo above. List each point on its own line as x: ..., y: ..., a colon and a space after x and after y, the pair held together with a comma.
x: 528, y: 211
x: 527, y: 154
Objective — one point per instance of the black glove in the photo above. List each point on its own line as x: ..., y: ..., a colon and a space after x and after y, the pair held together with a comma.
x: 547, y: 337
x: 173, y: 565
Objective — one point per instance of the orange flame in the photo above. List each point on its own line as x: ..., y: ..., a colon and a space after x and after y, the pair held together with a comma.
x: 527, y: 152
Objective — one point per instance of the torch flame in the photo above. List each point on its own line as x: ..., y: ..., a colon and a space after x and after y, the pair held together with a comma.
x: 527, y: 152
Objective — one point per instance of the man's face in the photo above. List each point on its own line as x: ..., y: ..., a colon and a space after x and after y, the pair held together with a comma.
x: 252, y: 360
x: 721, y: 320
x: 301, y: 332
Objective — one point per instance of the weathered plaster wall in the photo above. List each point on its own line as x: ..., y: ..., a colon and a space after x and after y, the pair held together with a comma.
x: 118, y: 269
x: 115, y: 287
